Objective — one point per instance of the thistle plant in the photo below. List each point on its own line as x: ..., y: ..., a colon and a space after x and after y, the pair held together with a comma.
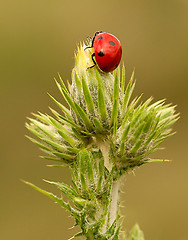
x: 103, y: 135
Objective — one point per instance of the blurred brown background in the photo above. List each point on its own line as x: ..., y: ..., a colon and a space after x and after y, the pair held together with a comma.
x: 37, y: 40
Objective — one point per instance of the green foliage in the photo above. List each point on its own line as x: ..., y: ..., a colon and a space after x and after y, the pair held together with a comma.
x: 103, y: 135
x: 101, y: 107
x: 90, y: 196
x: 136, y: 233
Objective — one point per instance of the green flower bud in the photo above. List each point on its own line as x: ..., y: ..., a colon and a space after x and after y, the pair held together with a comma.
x: 102, y: 135
x: 101, y: 110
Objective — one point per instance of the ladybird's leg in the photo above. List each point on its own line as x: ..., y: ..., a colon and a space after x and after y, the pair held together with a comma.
x: 87, y: 47
x: 93, y: 39
x: 92, y: 43
x: 92, y: 56
x: 97, y: 33
x: 89, y: 38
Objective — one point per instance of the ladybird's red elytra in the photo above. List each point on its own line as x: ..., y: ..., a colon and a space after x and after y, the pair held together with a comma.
x: 107, y: 51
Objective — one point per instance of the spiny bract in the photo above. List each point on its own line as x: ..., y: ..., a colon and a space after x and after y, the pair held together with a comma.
x: 102, y: 135
x: 101, y: 110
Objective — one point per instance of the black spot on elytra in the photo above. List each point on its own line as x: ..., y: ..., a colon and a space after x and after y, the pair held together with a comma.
x: 100, y: 54
x: 121, y: 50
x: 112, y: 43
x: 101, y: 37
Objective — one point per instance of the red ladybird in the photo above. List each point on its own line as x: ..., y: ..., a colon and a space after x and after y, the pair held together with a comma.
x: 107, y: 51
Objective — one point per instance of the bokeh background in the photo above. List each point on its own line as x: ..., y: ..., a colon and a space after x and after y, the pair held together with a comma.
x: 37, y: 40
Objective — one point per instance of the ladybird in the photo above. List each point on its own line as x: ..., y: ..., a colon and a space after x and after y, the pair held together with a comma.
x: 107, y: 51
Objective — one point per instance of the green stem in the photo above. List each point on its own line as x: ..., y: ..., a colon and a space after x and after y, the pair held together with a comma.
x: 114, y: 202
x: 104, y: 146
x: 90, y: 235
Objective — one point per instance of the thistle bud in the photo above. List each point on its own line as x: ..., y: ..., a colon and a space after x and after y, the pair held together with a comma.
x: 101, y: 111
x: 102, y: 135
